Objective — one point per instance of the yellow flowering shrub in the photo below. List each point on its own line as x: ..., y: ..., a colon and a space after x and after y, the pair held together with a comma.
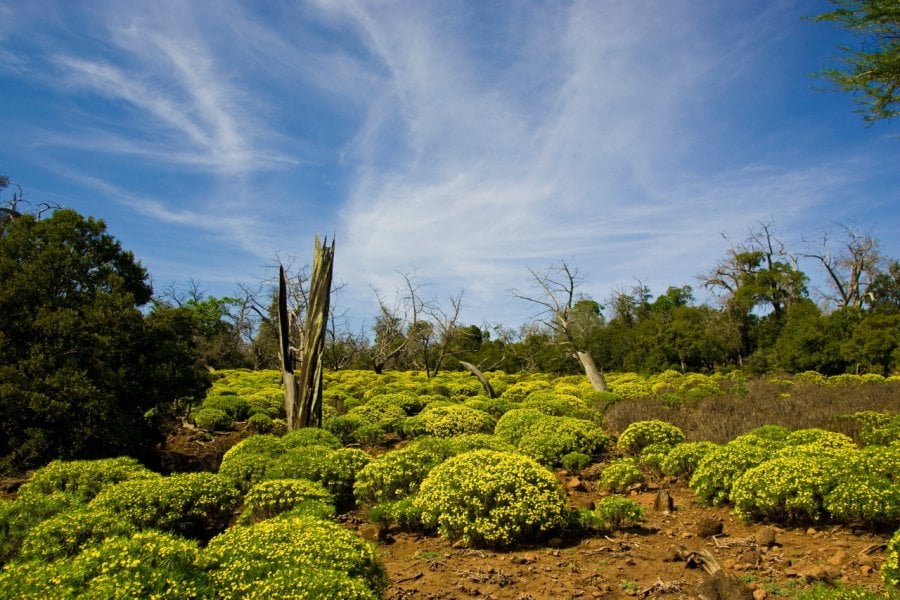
x: 495, y: 407
x: 640, y: 434
x: 456, y: 419
x: 310, y: 436
x: 397, y: 474
x: 494, y: 499
x: 19, y: 516
x: 683, y: 458
x: 299, y: 557
x: 620, y: 474
x: 211, y: 419
x: 559, y: 405
x: 612, y: 512
x: 517, y: 392
x: 192, y: 504
x: 148, y: 564
x: 548, y: 439
x: 719, y: 468
x: 890, y: 570
x: 272, y: 497
x: 246, y: 462
x: 514, y: 423
x: 83, y: 479
x: 67, y: 532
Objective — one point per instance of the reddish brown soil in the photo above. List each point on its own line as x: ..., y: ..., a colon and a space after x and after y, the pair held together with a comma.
x: 641, y: 562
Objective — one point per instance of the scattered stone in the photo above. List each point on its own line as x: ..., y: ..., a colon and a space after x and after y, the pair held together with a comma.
x: 729, y: 563
x: 838, y: 559
x: 723, y: 586
x: 554, y: 542
x: 865, y: 560
x: 674, y: 554
x: 765, y: 537
x: 575, y: 484
x: 459, y: 544
x: 814, y: 573
x: 760, y: 594
x: 709, y: 527
x: 664, y: 502
x: 521, y: 560
x: 369, y: 532
x: 811, y: 531
x: 866, y: 570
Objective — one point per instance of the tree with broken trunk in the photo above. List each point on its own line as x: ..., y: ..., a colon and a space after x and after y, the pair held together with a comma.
x: 303, y: 391
x: 570, y: 316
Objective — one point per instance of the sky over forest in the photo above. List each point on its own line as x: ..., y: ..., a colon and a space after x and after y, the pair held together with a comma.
x: 461, y: 141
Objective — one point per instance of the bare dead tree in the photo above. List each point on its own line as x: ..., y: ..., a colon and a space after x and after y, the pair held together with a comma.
x: 389, y: 328
x: 851, y: 263
x: 556, y: 299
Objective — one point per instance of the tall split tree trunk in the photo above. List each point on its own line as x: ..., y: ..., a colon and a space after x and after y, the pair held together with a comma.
x: 303, y: 393
x: 488, y: 388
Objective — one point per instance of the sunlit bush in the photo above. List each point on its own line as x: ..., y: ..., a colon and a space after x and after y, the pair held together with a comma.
x: 84, y: 479
x: 612, y: 512
x: 549, y: 439
x: 620, y: 474
x: 19, y: 516
x: 191, y: 504
x: 272, y: 497
x: 513, y: 424
x: 457, y: 419
x: 494, y: 499
x: 211, y: 419
x: 294, y: 557
x: 397, y: 474
x: 890, y: 570
x: 67, y: 532
x: 719, y: 468
x: 641, y: 434
x: 310, y: 436
x: 683, y: 458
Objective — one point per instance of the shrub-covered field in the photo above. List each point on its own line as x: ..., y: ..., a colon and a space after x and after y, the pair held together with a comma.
x: 440, y: 457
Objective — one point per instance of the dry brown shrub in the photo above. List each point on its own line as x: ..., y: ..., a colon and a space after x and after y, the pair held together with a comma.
x: 724, y: 417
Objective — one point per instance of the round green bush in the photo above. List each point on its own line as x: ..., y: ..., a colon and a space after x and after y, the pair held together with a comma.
x: 247, y: 462
x: 269, y: 403
x: 641, y: 434
x: 260, y: 423
x: 212, y: 419
x: 784, y: 490
x: 890, y: 570
x: 494, y: 499
x: 549, y: 439
x: 147, y: 564
x: 615, y: 512
x: 234, y: 406
x: 409, y: 402
x: 272, y: 497
x: 310, y: 436
x: 819, y: 438
x: 67, y: 532
x: 343, y: 426
x: 495, y: 407
x: 83, y: 479
x: 191, y: 504
x: 397, y: 474
x: 294, y: 556
x: 335, y: 469
x: 653, y: 455
x: 683, y: 458
x: 620, y: 474
x: 380, y: 412
x: 456, y: 419
x: 717, y: 470
x: 555, y: 404
x: 575, y: 461
x: 514, y: 423
x: 471, y: 441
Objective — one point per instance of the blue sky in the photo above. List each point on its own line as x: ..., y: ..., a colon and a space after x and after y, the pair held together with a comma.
x: 465, y: 141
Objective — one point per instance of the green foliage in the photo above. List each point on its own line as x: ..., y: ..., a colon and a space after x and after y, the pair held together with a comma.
x: 620, y: 474
x: 684, y: 458
x: 260, y: 423
x: 148, y: 564
x: 652, y: 456
x: 456, y: 419
x: 211, y: 419
x: 836, y: 592
x: 402, y: 513
x: 310, y: 436
x: 819, y: 438
x: 246, y: 462
x: 84, y: 479
x: 861, y: 497
x: 513, y: 424
x: 236, y: 407
x: 272, y: 497
x: 558, y: 405
x: 612, y: 512
x: 787, y: 489
x: 890, y: 570
x: 398, y: 474
x: 192, y: 504
x: 295, y: 557
x: 19, y: 516
x: 719, y: 468
x: 871, y: 70
x: 337, y: 470
x: 80, y: 365
x: 66, y: 533
x: 495, y: 407
x: 643, y: 433
x: 575, y: 461
x: 494, y: 499
x: 550, y: 438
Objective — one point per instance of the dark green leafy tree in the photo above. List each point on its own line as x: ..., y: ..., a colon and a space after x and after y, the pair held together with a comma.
x: 871, y: 68
x: 80, y: 366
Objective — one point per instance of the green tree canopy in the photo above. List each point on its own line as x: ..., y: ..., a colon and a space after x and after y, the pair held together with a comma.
x: 79, y: 364
x: 871, y: 70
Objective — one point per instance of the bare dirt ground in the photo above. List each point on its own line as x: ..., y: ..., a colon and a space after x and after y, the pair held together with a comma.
x: 644, y: 562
